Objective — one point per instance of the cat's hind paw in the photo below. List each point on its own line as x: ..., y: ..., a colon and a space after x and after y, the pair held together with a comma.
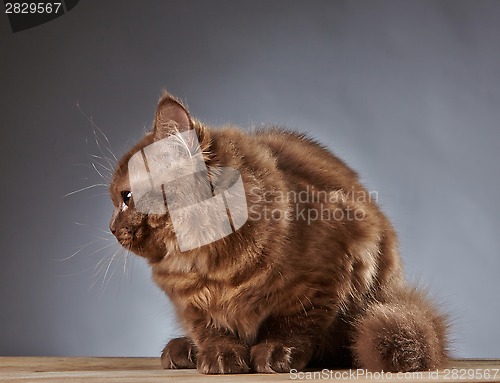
x: 400, y: 337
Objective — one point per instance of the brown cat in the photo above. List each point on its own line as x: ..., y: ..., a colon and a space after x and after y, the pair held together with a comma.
x: 312, y: 278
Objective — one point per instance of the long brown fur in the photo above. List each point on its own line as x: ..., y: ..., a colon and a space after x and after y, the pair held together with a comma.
x: 284, y: 291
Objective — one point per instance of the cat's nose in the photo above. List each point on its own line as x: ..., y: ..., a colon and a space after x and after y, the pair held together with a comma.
x: 112, y: 223
x: 112, y: 227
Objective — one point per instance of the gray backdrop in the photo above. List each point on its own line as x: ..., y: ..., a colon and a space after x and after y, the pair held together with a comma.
x: 407, y: 92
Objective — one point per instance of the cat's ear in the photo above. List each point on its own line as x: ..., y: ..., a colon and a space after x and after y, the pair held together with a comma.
x: 171, y: 117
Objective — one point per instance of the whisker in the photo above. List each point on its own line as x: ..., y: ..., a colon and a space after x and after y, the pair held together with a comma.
x: 104, y: 239
x: 87, y: 225
x: 85, y: 188
x: 103, y: 158
x: 100, y: 149
x: 100, y: 267
x: 101, y: 249
x: 76, y: 273
x: 98, y: 172
x: 132, y: 265
x: 104, y: 282
x: 96, y: 138
x: 124, y: 259
x: 98, y: 163
x: 125, y: 264
x: 76, y: 252
x: 107, y: 140
x: 111, y: 277
x: 94, y: 126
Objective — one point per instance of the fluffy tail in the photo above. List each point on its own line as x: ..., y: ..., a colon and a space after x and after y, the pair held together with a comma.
x: 401, y: 333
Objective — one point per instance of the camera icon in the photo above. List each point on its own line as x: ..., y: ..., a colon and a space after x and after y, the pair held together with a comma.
x: 205, y: 204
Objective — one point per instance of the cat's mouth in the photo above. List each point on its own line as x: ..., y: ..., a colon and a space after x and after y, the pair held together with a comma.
x: 125, y: 237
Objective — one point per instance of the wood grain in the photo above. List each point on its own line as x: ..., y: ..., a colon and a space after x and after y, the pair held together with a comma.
x: 137, y: 370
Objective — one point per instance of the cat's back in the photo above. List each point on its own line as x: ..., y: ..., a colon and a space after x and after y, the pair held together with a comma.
x: 305, y: 160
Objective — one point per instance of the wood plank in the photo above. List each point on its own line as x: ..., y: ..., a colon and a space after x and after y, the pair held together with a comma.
x: 137, y: 370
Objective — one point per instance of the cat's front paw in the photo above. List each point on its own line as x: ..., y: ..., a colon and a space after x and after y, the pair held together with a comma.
x: 179, y: 353
x: 224, y: 358
x: 269, y: 357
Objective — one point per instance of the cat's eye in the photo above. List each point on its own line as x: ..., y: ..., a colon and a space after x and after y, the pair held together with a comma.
x: 126, y: 196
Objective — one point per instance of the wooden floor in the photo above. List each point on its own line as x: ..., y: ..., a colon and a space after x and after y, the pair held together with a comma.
x: 137, y: 370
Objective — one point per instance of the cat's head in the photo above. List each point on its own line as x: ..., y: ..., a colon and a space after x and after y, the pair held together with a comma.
x: 149, y: 233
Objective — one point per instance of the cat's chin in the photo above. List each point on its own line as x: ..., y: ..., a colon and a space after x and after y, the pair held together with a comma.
x: 125, y: 238
x: 126, y: 243
x: 144, y: 250
x: 129, y: 243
